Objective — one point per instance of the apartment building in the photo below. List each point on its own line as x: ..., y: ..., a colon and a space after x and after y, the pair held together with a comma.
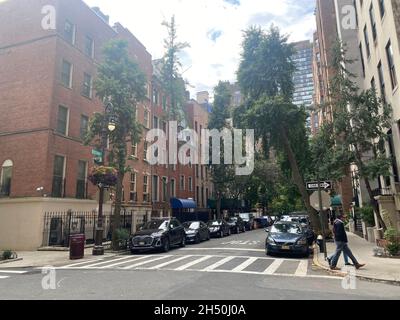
x: 378, y: 36
x: 303, y: 76
x: 49, y: 62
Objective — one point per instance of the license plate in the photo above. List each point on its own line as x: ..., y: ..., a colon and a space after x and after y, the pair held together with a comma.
x: 142, y: 243
x: 285, y: 247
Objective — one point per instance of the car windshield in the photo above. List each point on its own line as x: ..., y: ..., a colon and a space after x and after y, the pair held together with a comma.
x: 156, y: 224
x: 233, y: 219
x: 191, y: 225
x: 214, y: 223
x: 286, y: 228
x: 244, y: 216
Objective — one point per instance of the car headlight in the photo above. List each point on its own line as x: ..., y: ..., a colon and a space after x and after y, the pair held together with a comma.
x: 302, y: 242
x: 157, y: 234
x: 270, y: 240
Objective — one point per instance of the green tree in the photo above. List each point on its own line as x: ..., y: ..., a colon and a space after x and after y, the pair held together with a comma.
x: 222, y: 175
x: 266, y: 79
x: 121, y: 82
x: 361, y: 121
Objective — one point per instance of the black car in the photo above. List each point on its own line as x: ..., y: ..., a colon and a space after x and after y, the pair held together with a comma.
x: 286, y: 237
x: 248, y: 219
x: 196, y: 231
x: 219, y: 228
x: 158, y: 234
x: 236, y: 224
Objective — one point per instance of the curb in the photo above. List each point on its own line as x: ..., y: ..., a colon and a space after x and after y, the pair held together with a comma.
x: 341, y: 274
x: 11, y: 260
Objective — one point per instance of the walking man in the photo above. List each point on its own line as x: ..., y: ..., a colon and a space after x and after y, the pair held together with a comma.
x: 341, y: 242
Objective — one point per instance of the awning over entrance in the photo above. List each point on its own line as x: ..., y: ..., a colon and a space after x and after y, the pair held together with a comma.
x: 337, y: 201
x: 183, y: 203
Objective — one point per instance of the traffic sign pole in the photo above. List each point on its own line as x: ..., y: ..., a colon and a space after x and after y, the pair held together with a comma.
x: 321, y: 209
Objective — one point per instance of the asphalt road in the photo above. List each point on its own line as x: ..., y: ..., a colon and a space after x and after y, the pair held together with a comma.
x: 232, y: 268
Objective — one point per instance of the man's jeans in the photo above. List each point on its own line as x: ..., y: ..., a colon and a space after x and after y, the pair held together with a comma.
x: 342, y: 247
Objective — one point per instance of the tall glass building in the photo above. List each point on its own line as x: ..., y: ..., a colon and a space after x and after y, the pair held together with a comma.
x: 303, y: 76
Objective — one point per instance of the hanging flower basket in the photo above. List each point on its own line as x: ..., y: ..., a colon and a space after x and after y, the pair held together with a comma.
x: 103, y: 176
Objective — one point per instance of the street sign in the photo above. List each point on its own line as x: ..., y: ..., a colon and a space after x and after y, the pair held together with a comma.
x: 326, y: 200
x: 324, y: 185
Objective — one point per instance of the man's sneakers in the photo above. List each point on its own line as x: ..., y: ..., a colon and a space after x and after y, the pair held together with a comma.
x: 359, y: 266
x: 334, y: 268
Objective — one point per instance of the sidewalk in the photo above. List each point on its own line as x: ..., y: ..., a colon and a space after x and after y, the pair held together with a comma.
x: 49, y: 258
x: 378, y: 269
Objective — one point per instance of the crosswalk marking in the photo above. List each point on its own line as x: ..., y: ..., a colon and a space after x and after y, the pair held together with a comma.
x: 144, y: 262
x: 273, y: 267
x: 169, y: 263
x: 244, y: 265
x: 191, y: 264
x: 13, y: 271
x: 4, y: 277
x: 302, y: 269
x: 218, y: 264
x: 123, y: 262
x: 102, y: 262
x: 81, y: 263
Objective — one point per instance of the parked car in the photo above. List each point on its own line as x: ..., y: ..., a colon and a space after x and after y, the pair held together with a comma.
x: 286, y: 237
x: 219, y: 228
x: 196, y: 231
x: 305, y: 222
x: 248, y: 219
x: 236, y: 224
x: 158, y: 234
x: 263, y: 222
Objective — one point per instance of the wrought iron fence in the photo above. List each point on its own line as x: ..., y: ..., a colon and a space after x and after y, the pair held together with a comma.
x: 59, y: 226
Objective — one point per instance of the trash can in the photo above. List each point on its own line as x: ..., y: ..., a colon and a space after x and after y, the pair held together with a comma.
x: 77, y: 246
x: 320, y: 242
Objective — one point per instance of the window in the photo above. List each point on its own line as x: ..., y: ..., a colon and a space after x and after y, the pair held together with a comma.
x: 145, y: 188
x: 81, y: 180
x: 69, y: 32
x: 134, y: 150
x: 164, y: 103
x: 182, y: 183
x: 155, y: 189
x: 5, y: 178
x: 146, y: 119
x: 164, y: 127
x: 362, y: 59
x: 87, y: 85
x: 190, y: 184
x: 366, y: 39
x: 197, y: 171
x: 133, y: 190
x: 58, y: 177
x: 373, y: 22
x: 62, y: 120
x: 89, y: 47
x: 145, y: 148
x: 155, y: 97
x: 382, y: 7
x: 382, y: 82
x: 173, y: 188
x: 155, y: 123
x: 66, y: 74
x: 84, y: 126
x: 164, y: 189
x: 392, y: 69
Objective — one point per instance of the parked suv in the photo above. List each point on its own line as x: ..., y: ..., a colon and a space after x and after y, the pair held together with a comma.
x: 248, y: 219
x: 236, y: 224
x: 158, y: 234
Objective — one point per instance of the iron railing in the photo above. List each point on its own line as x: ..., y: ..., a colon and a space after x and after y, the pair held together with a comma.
x: 59, y: 226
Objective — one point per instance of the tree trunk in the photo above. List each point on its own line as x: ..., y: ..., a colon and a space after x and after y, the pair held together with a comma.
x: 374, y: 204
x: 117, y: 211
x: 299, y: 181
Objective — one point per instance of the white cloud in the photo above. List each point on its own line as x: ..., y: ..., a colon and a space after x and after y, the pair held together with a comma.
x: 210, y: 60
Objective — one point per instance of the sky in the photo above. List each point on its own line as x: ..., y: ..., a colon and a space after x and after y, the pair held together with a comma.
x: 213, y: 28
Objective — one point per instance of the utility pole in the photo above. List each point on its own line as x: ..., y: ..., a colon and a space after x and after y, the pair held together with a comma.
x: 321, y: 209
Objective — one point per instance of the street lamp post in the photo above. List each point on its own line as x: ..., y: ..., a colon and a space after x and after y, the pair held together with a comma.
x: 109, y: 125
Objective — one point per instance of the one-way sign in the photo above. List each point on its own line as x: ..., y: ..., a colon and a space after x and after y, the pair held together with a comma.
x: 324, y: 185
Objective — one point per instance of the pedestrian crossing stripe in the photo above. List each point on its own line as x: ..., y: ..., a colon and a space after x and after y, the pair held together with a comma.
x: 4, y: 277
x: 204, y: 263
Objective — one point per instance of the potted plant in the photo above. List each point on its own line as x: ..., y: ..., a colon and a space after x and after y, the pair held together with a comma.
x: 102, y: 176
x: 392, y: 237
x: 122, y: 236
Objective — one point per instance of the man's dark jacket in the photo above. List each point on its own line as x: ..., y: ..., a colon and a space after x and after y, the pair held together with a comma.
x: 339, y: 231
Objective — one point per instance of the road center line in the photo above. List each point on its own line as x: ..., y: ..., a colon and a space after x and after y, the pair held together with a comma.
x: 273, y: 267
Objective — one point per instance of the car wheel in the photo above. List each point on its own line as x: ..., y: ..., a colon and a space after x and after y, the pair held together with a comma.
x: 166, y: 246
x: 183, y: 242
